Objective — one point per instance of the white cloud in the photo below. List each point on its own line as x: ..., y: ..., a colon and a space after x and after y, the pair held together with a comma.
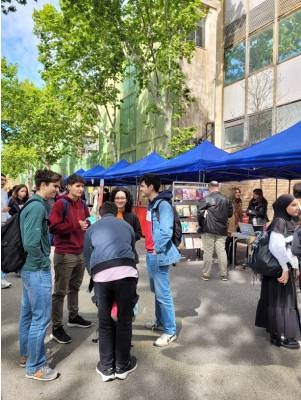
x: 19, y: 45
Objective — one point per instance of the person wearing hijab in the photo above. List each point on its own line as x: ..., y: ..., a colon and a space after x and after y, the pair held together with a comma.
x: 277, y: 309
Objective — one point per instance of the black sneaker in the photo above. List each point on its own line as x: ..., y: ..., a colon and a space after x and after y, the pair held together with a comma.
x: 290, y: 344
x: 122, y: 373
x: 106, y: 374
x: 79, y: 321
x: 60, y: 335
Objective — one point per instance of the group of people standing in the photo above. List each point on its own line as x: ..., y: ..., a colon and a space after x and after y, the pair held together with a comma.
x: 107, y: 249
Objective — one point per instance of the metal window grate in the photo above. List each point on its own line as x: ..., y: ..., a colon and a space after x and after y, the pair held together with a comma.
x: 259, y: 126
x: 235, y: 31
x: 261, y: 15
x: 285, y: 6
x: 233, y: 9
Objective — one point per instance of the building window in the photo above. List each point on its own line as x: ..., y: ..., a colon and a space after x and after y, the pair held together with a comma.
x: 288, y: 115
x: 260, y: 126
x: 290, y: 36
x: 234, y: 134
x: 198, y: 36
x: 261, y: 49
x: 235, y: 63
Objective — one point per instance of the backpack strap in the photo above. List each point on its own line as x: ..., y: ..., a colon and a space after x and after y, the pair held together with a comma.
x: 156, y: 209
x: 27, y: 203
x: 65, y: 209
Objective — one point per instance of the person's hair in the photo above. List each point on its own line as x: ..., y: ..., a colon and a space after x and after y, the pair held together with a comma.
x: 213, y: 184
x: 297, y: 190
x: 108, y: 207
x: 72, y: 179
x: 233, y: 192
x: 258, y: 192
x: 151, y: 179
x: 106, y: 190
x: 47, y: 176
x: 129, y: 199
x: 16, y: 191
x: 11, y: 191
x: 2, y: 175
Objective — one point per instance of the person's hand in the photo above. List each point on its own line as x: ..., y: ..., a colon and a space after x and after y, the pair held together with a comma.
x: 296, y: 273
x: 83, y: 225
x: 283, y: 278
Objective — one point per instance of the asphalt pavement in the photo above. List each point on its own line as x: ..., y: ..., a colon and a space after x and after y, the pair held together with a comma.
x: 219, y: 353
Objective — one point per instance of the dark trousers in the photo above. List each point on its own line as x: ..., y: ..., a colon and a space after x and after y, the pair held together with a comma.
x: 229, y: 250
x: 115, y: 337
x: 69, y: 271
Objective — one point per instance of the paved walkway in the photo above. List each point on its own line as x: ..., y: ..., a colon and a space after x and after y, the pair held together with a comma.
x: 219, y: 353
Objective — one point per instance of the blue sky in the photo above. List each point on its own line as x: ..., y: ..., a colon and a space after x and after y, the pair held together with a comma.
x: 19, y: 45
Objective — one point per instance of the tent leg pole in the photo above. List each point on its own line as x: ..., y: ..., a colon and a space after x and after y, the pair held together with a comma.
x: 289, y: 186
x: 276, y: 189
x: 137, y: 196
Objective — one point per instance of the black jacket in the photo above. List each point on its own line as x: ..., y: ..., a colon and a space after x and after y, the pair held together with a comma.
x: 15, y: 206
x: 258, y: 209
x: 213, y: 213
x: 133, y: 220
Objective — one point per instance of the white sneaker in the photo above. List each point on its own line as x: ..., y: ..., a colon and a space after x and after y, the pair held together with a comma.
x: 5, y: 284
x: 165, y: 340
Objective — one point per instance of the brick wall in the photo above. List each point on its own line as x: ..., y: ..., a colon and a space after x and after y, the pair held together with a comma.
x: 268, y: 187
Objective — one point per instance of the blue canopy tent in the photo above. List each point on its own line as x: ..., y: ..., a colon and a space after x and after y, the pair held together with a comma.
x: 91, y: 175
x: 130, y: 174
x: 189, y: 165
x: 118, y: 166
x: 80, y: 172
x: 278, y: 156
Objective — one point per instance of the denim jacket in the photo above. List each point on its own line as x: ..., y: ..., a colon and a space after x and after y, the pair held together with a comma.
x: 166, y: 251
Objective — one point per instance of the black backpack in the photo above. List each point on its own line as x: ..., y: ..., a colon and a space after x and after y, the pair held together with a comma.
x: 177, y: 227
x: 13, y: 255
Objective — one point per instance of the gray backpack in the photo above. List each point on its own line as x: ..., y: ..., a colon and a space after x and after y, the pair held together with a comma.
x: 296, y: 245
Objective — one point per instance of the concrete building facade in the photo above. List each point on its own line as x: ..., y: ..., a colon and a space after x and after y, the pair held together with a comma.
x: 259, y: 62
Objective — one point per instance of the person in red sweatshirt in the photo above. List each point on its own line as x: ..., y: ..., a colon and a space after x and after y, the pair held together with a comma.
x: 68, y: 223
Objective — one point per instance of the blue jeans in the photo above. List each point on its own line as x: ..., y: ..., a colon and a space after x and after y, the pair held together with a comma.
x: 34, y: 317
x: 160, y: 286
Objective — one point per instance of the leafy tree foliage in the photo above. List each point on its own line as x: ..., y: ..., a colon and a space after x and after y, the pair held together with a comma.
x: 40, y: 119
x: 183, y: 140
x: 7, y: 6
x: 88, y: 48
x: 17, y: 159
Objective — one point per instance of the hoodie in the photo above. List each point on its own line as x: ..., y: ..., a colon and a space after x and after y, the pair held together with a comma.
x: 68, y: 235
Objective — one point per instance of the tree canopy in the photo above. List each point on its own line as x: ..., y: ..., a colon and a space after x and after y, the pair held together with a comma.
x: 7, y: 6
x: 87, y: 49
x: 39, y: 119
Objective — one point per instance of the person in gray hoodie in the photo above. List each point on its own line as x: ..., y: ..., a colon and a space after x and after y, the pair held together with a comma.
x: 109, y: 251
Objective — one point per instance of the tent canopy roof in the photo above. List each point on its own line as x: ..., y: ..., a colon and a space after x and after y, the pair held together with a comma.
x: 194, y: 160
x: 138, y: 168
